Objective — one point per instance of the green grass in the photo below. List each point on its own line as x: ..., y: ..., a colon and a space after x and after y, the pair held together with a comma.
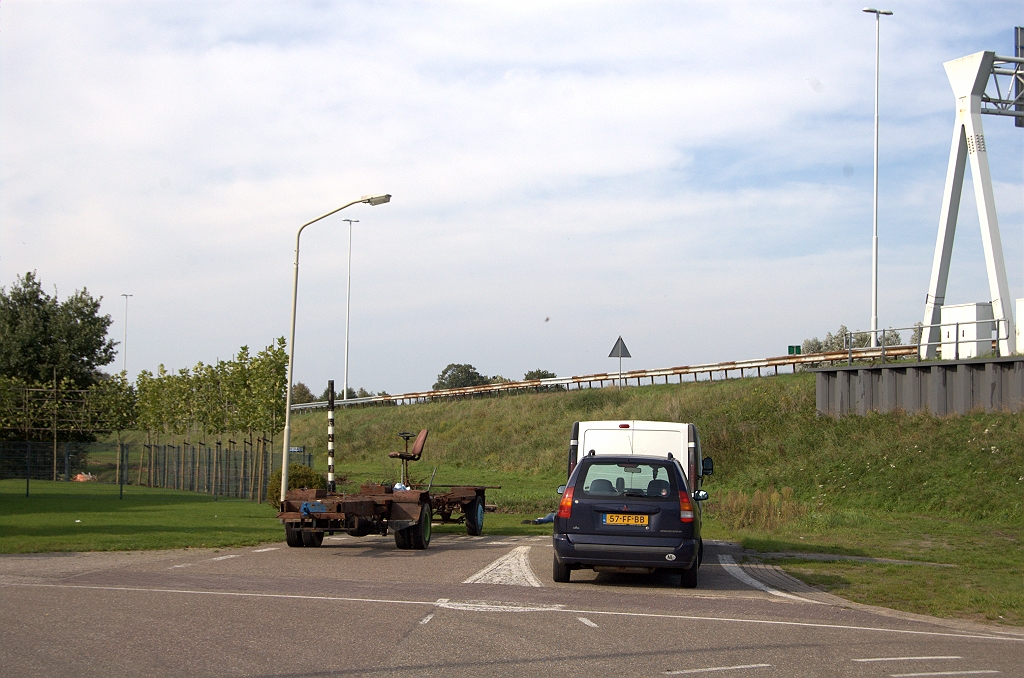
x: 147, y: 518
x: 982, y: 573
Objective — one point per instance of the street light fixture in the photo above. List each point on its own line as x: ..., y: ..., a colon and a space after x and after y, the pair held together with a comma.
x: 874, y: 221
x: 287, y: 434
x: 348, y: 304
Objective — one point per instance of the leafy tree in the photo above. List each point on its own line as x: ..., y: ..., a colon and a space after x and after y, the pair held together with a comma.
x: 118, y: 402
x: 539, y: 374
x: 498, y: 379
x: 915, y: 336
x: 301, y: 394
x: 459, y: 376
x: 268, y: 385
x: 839, y: 341
x: 38, y: 334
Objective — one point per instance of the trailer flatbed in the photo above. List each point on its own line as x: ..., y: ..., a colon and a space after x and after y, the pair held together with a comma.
x: 309, y: 514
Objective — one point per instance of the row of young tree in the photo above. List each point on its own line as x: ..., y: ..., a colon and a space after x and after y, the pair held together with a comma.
x: 243, y: 395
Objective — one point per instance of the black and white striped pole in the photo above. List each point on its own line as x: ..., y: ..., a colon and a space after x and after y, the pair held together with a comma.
x: 330, y: 436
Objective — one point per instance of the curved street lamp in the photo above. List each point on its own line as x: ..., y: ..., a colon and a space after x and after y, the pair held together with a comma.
x: 369, y: 200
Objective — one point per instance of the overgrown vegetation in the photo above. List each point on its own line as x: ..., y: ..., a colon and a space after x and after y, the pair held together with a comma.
x: 762, y: 510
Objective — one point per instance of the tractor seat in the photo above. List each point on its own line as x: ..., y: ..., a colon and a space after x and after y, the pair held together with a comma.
x: 415, y: 452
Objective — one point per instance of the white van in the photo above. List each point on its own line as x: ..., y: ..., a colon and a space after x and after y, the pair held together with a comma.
x: 643, y: 439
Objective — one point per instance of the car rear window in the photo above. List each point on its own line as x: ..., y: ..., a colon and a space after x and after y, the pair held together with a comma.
x: 627, y: 479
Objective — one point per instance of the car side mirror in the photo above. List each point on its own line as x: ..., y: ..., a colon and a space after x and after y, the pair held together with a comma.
x: 700, y: 495
x: 707, y: 467
x: 561, y: 489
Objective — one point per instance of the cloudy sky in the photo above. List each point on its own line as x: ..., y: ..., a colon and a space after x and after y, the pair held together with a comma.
x: 693, y: 176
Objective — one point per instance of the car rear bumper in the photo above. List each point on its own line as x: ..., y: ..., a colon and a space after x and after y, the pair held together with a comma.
x: 680, y: 555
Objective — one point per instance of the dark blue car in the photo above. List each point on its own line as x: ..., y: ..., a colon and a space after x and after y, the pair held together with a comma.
x: 629, y: 514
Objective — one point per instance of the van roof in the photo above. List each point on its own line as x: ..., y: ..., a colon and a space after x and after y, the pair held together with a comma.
x: 635, y: 423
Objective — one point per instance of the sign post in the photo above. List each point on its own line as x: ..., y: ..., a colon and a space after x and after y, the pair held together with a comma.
x: 619, y: 351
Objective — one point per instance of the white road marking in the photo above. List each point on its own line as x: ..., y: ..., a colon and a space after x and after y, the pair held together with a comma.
x: 513, y: 568
x: 234, y: 555
x: 942, y: 673
x: 272, y: 548
x: 440, y: 603
x: 730, y: 566
x: 182, y: 565
x: 902, y: 659
x: 491, y: 607
x: 717, y: 668
x: 588, y: 622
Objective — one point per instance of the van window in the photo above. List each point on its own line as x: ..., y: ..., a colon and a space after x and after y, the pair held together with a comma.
x: 605, y: 441
x: 608, y: 479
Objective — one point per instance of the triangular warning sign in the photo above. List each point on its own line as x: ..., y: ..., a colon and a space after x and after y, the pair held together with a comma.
x: 619, y: 350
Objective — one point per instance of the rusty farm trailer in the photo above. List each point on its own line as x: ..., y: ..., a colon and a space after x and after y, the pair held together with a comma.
x: 406, y: 512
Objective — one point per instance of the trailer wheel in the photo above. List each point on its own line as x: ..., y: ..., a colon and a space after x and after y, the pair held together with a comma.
x: 312, y: 539
x: 292, y: 536
x: 419, y: 535
x: 475, y: 517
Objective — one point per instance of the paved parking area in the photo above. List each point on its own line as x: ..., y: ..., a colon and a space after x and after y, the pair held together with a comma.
x: 465, y: 606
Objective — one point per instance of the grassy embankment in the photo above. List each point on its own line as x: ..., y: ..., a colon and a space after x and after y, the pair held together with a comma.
x: 909, y: 487
x: 918, y: 488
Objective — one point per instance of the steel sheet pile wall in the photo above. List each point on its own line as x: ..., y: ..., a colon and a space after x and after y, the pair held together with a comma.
x: 940, y: 388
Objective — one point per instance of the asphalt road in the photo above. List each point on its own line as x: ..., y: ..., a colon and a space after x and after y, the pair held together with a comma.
x: 464, y: 607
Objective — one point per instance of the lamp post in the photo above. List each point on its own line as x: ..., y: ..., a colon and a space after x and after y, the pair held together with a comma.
x: 287, y: 434
x: 348, y: 305
x: 124, y: 350
x: 874, y: 221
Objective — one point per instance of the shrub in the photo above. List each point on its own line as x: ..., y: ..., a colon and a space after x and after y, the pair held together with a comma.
x: 299, y: 477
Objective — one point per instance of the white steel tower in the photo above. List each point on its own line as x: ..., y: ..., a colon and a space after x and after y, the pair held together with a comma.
x: 969, y: 77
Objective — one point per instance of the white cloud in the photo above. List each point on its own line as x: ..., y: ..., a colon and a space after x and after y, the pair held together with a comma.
x: 695, y: 177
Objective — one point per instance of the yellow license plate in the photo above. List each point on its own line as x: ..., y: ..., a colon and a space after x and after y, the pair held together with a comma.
x: 624, y: 519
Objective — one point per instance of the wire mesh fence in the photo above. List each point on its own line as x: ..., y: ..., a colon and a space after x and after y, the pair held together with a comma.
x: 229, y: 470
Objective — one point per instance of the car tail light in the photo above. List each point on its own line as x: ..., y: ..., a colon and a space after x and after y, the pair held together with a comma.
x: 565, y: 506
x: 685, y: 508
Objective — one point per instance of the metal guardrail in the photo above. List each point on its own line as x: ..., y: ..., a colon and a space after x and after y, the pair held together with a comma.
x: 710, y: 369
x: 999, y: 327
